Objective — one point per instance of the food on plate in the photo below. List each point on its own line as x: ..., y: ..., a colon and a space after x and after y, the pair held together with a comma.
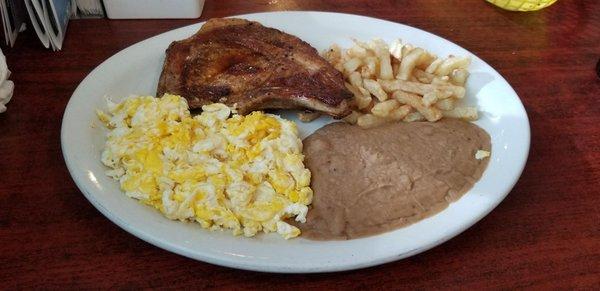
x: 243, y: 173
x: 308, y: 115
x: 252, y: 67
x: 372, y: 181
x: 401, y: 82
x: 481, y: 154
x: 235, y: 167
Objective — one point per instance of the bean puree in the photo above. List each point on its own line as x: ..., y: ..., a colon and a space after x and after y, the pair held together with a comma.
x: 370, y: 181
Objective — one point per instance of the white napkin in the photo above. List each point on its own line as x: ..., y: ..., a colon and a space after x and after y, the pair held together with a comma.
x: 6, y: 86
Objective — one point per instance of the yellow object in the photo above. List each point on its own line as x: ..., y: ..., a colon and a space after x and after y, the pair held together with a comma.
x: 242, y: 173
x: 522, y: 5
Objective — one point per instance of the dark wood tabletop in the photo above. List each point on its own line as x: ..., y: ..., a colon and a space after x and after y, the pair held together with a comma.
x: 545, y: 234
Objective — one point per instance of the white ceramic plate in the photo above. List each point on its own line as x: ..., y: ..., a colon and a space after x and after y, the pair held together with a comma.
x: 135, y: 70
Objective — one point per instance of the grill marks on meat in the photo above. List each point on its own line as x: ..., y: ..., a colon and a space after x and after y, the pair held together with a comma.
x: 235, y: 61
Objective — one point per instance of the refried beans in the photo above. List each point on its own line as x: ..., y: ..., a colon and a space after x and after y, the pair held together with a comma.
x: 370, y: 181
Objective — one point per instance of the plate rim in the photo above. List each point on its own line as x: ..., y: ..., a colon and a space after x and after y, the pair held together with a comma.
x: 227, y: 261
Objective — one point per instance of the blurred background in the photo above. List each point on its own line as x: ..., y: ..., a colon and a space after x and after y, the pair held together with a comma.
x: 49, y: 18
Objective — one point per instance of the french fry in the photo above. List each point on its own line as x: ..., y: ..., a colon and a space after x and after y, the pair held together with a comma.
x: 381, y: 50
x: 419, y: 88
x: 383, y: 109
x: 352, y: 89
x: 361, y: 44
x: 413, y: 116
x: 446, y: 104
x: 370, y: 68
x: 400, y: 82
x: 351, y: 65
x: 406, y: 49
x: 465, y: 113
x: 355, y: 79
x: 333, y: 54
x: 375, y: 89
x: 368, y: 100
x: 378, y: 46
x: 433, y: 66
x: 385, y: 67
x: 395, y: 67
x: 362, y: 98
x: 434, y: 96
x: 425, y: 60
x: 457, y: 91
x: 357, y: 52
x: 459, y: 77
x: 451, y: 63
x: 369, y: 120
x: 430, y: 113
x: 409, y: 62
x: 423, y: 76
x: 396, y: 49
x: 412, y: 87
x: 352, y: 118
x: 400, y: 112
x: 442, y: 81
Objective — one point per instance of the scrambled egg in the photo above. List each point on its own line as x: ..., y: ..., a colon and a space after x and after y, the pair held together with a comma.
x: 243, y: 173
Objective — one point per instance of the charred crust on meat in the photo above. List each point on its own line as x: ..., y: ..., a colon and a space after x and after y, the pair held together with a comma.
x: 212, y: 93
x: 242, y: 68
x: 238, y: 61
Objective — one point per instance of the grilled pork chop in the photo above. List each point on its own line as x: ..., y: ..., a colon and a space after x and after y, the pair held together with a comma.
x: 236, y: 61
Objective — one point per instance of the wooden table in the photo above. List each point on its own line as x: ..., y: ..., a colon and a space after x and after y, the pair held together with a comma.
x: 546, y: 234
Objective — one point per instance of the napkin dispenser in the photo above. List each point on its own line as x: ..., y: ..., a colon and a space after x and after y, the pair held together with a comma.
x: 148, y: 9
